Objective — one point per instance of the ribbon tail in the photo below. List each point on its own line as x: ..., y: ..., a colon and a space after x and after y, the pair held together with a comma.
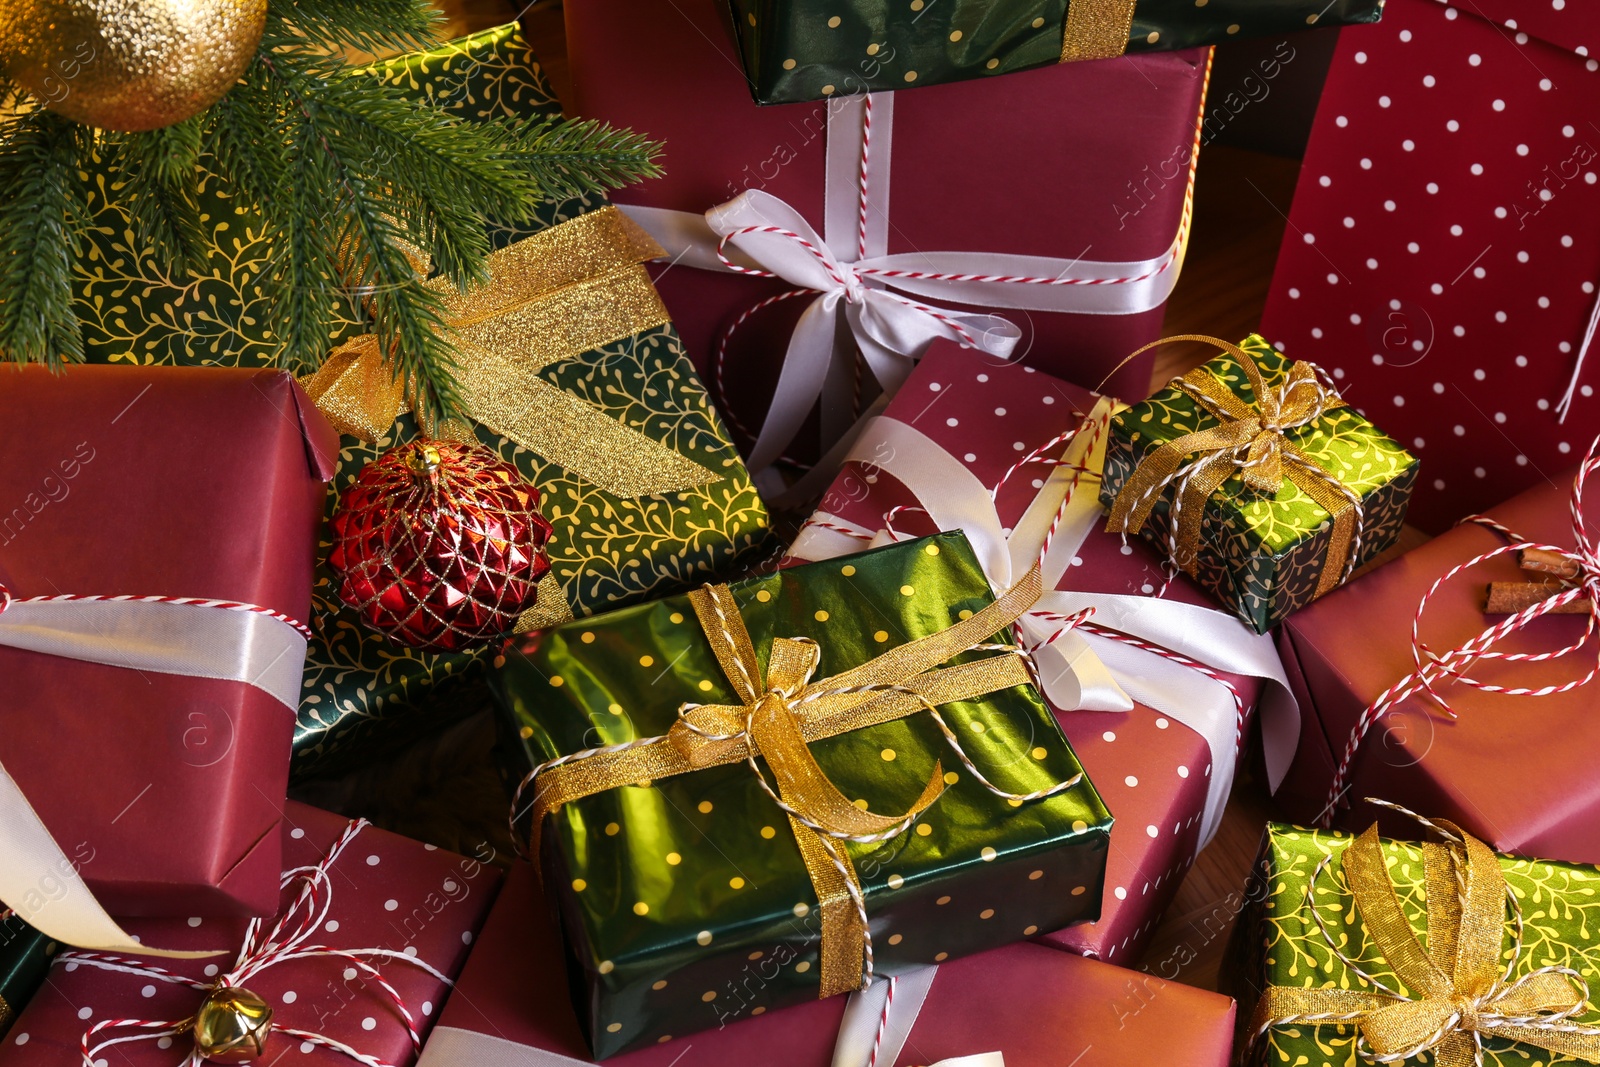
x: 1071, y: 676
x: 805, y: 369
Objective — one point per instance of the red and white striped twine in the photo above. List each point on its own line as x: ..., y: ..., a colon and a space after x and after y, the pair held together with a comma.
x: 286, y: 939
x: 888, y: 1006
x: 6, y: 600
x: 1432, y: 668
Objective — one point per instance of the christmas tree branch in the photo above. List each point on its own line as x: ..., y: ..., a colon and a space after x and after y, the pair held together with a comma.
x: 41, y: 206
x: 571, y: 157
x: 162, y: 169
x: 378, y: 27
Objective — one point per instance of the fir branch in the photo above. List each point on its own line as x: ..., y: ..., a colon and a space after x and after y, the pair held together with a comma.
x: 571, y: 157
x: 242, y: 135
x: 41, y: 205
x: 163, y: 173
x: 377, y: 27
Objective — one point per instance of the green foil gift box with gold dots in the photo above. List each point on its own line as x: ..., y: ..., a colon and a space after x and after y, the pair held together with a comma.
x: 571, y: 371
x: 761, y: 793
x: 1252, y: 475
x: 1354, y: 949
x: 795, y: 50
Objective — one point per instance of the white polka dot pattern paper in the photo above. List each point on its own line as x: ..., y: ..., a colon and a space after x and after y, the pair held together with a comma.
x: 1443, y: 249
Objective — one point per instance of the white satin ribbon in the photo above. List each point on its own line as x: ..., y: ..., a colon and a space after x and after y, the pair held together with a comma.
x: 891, y: 329
x: 1081, y: 670
x: 37, y: 879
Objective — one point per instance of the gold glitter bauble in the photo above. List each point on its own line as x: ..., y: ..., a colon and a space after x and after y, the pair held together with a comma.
x: 129, y: 64
x: 232, y: 1026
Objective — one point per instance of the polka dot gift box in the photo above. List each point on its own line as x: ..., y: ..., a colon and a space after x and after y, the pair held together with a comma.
x: 1444, y: 244
x: 914, y: 801
x: 1154, y: 692
x: 797, y: 50
x: 370, y: 932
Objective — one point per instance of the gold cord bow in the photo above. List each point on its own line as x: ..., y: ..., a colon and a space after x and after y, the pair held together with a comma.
x: 1250, y: 440
x: 779, y: 715
x: 1458, y: 989
x: 559, y: 293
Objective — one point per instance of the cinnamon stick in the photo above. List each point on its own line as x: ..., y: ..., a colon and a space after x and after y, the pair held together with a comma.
x: 1547, y: 562
x: 1508, y: 598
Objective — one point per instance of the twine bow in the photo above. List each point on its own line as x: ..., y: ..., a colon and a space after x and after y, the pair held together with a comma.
x: 1250, y: 440
x: 1457, y: 992
x: 779, y: 714
x: 267, y: 943
x: 1581, y: 586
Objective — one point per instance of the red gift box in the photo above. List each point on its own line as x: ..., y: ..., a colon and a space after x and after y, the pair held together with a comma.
x: 1037, y: 1007
x: 1163, y: 759
x: 1511, y: 770
x: 1078, y: 177
x: 1441, y: 252
x: 381, y: 892
x: 163, y: 790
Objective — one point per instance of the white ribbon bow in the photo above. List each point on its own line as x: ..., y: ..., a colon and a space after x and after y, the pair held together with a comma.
x: 1082, y: 670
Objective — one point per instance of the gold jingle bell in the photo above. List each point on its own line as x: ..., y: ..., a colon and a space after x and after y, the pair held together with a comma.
x: 232, y: 1026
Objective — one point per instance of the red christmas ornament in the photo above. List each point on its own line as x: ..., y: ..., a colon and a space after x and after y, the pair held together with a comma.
x: 439, y: 545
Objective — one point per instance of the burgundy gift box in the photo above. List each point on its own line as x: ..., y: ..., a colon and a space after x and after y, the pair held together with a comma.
x: 1086, y: 163
x: 1516, y: 772
x: 1155, y: 772
x: 383, y: 891
x: 1037, y: 1007
x: 163, y: 790
x: 1442, y: 249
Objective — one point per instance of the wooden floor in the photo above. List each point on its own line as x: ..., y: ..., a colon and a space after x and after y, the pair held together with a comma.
x: 1242, y: 199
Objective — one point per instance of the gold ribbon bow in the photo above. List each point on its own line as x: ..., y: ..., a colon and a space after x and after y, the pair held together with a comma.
x: 1459, y: 992
x: 1250, y: 440
x: 779, y: 714
x: 570, y: 289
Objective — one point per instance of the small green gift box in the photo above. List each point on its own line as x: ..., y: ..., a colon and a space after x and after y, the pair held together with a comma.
x: 697, y: 885
x: 1359, y: 947
x: 24, y: 960
x: 1254, y: 477
x: 572, y: 372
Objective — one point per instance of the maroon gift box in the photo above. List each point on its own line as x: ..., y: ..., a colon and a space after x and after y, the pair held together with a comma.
x: 1081, y: 162
x: 1513, y: 771
x: 1442, y: 248
x: 155, y: 481
x: 1039, y: 1008
x: 386, y: 892
x: 1153, y: 771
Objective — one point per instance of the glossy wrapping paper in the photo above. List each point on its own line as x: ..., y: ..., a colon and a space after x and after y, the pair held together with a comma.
x: 387, y: 892
x: 1277, y: 941
x: 1086, y: 162
x: 362, y: 693
x: 24, y: 958
x: 164, y: 791
x: 1262, y: 556
x: 792, y: 48
x: 1153, y: 772
x: 1512, y: 771
x: 1038, y: 1007
x: 680, y: 881
x: 1450, y: 186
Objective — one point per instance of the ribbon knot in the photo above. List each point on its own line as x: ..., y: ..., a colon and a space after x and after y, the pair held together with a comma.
x: 1458, y: 990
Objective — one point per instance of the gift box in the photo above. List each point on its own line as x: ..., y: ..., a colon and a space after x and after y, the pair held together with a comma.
x: 1256, y: 479
x: 24, y: 958
x: 370, y: 932
x: 1158, y: 726
x: 152, y: 738
x: 1332, y: 964
x: 673, y: 859
x: 510, y: 1001
x: 1448, y: 189
x: 792, y: 49
x: 1094, y: 207
x: 1352, y: 659
x: 572, y: 372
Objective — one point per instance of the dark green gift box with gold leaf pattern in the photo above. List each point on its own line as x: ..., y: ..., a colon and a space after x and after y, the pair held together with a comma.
x: 687, y: 897
x: 620, y: 535
x: 1263, y: 552
x: 1307, y: 929
x: 796, y: 50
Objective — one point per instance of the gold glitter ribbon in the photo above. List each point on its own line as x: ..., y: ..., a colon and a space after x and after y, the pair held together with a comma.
x: 780, y: 714
x: 564, y: 291
x: 1096, y: 29
x: 1456, y: 983
x: 1250, y: 440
